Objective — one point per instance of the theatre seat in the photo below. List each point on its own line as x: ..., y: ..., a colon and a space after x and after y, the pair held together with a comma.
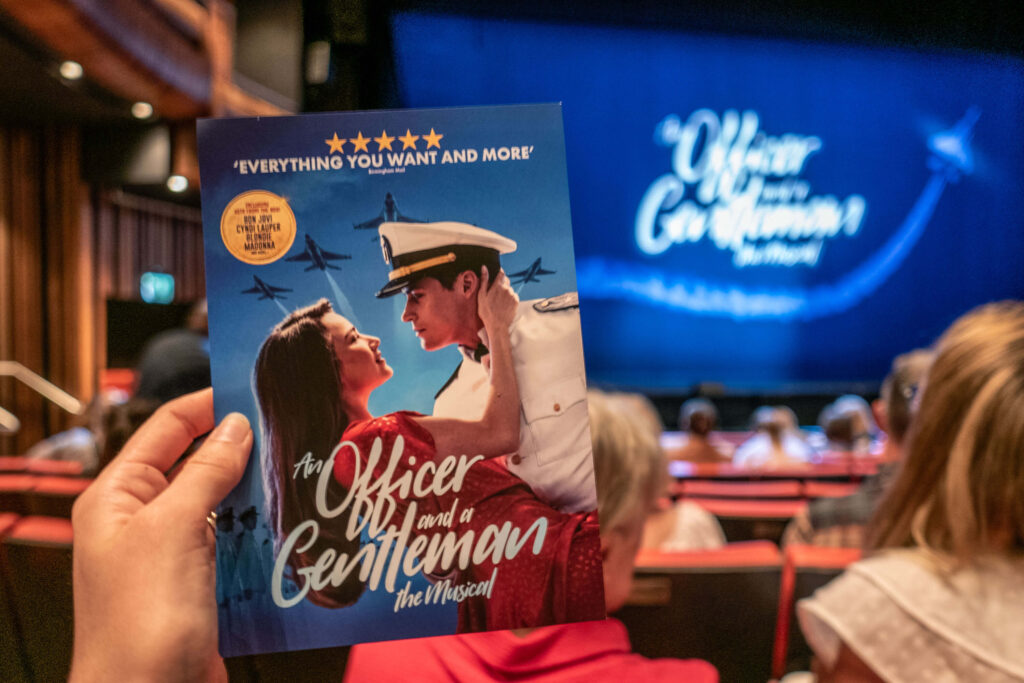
x: 718, y: 605
x: 64, y: 468
x: 36, y: 563
x: 13, y: 666
x: 54, y: 496
x: 13, y: 463
x: 751, y: 520
x: 14, y: 492
x: 829, y: 489
x: 806, y: 569
x: 742, y: 489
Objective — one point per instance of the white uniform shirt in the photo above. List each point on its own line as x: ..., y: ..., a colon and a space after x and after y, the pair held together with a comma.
x: 555, y: 454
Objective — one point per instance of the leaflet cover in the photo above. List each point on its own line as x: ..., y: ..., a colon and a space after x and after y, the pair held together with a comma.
x: 345, y: 254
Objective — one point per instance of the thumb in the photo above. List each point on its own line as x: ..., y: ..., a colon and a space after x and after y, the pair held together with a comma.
x: 216, y: 468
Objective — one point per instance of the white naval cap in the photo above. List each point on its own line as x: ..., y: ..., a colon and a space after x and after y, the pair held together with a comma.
x: 414, y: 250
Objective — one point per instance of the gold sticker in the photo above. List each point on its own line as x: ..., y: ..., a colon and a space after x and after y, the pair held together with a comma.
x: 258, y: 227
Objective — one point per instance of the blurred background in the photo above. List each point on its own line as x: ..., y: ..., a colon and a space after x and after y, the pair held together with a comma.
x: 771, y: 201
x: 871, y: 241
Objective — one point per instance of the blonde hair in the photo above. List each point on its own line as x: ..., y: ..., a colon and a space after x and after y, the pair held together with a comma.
x: 629, y: 465
x: 960, y: 492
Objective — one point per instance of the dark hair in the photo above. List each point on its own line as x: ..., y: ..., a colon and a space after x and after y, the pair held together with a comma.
x: 838, y: 427
x: 469, y: 258
x: 297, y: 382
x: 698, y: 416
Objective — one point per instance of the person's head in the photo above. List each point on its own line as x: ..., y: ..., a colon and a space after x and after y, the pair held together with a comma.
x: 960, y: 492
x: 839, y: 427
x: 698, y: 416
x: 630, y: 471
x: 895, y: 405
x: 438, y: 268
x: 312, y: 368
x: 771, y: 421
x: 444, y: 312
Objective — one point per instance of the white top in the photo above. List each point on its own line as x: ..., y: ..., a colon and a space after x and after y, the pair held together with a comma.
x: 684, y: 526
x: 555, y: 456
x: 757, y: 452
x: 908, y: 620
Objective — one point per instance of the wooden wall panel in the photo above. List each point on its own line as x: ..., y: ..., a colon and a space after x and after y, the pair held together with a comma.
x: 63, y: 252
x: 24, y: 327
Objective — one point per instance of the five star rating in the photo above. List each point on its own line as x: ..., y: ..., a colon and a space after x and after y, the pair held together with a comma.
x: 383, y: 142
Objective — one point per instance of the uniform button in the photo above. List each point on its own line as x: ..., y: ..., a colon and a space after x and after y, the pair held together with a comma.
x: 516, y: 459
x: 557, y: 407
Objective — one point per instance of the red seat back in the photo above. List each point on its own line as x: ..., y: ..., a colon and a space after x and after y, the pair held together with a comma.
x: 829, y: 489
x: 743, y: 489
x: 13, y: 463
x: 67, y: 468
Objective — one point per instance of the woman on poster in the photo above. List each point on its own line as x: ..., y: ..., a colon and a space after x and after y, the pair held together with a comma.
x: 313, y: 378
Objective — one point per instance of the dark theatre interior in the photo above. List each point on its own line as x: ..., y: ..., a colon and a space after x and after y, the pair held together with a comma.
x: 822, y: 398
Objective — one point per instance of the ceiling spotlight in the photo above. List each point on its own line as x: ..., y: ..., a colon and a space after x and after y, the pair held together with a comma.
x: 142, y: 110
x: 177, y: 183
x: 72, y: 71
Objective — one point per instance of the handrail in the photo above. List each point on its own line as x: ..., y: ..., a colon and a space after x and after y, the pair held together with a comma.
x: 9, y: 424
x: 48, y: 390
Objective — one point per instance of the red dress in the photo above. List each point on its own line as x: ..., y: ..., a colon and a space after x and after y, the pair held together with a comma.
x: 564, y: 582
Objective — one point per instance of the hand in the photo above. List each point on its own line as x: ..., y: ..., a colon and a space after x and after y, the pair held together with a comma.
x: 496, y: 305
x: 144, y: 567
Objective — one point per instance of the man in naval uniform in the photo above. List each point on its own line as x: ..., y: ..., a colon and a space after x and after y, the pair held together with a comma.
x: 437, y: 266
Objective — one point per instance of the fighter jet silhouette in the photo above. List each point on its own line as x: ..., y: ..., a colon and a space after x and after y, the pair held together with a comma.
x: 529, y: 274
x: 390, y: 214
x: 318, y: 256
x: 265, y: 291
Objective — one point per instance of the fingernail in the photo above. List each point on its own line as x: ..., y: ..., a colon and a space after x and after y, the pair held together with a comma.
x: 233, y: 429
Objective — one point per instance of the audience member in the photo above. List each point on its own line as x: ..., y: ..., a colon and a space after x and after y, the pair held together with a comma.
x: 670, y: 527
x: 681, y: 526
x: 848, y: 427
x: 777, y: 443
x: 176, y: 362
x: 106, y: 429
x: 81, y: 443
x: 941, y: 595
x: 841, y: 521
x: 630, y: 471
x: 698, y: 418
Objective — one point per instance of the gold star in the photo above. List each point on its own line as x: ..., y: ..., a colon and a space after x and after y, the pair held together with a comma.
x: 383, y: 142
x: 360, y: 142
x: 409, y: 140
x: 335, y: 143
x: 433, y: 140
